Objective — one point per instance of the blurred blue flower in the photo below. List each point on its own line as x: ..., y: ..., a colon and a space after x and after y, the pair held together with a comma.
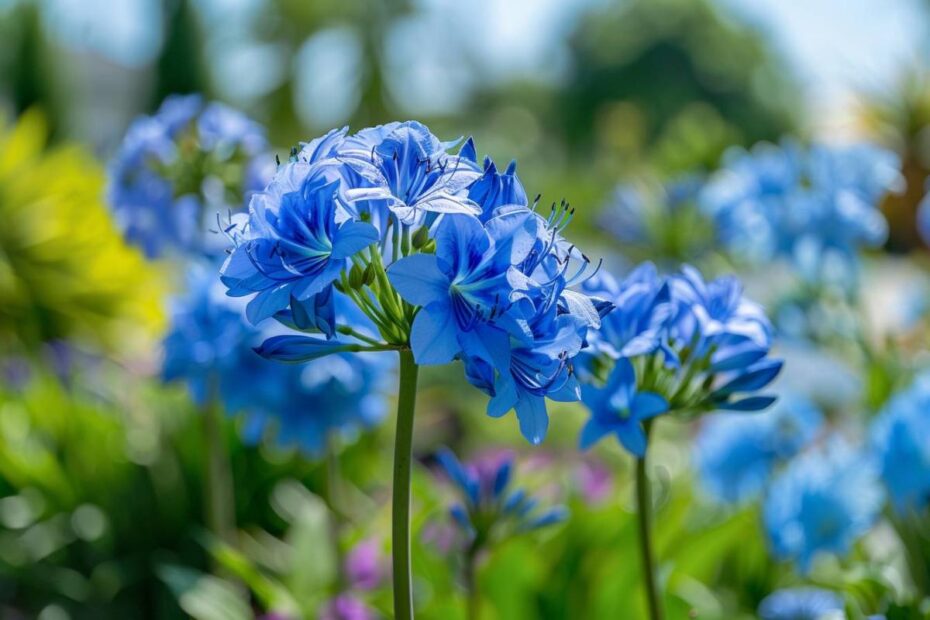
x: 900, y: 439
x: 210, y: 346
x: 800, y: 604
x: 619, y: 408
x: 821, y: 503
x: 176, y: 172
x: 736, y: 453
x: 815, y: 207
x: 490, y: 508
x: 637, y: 211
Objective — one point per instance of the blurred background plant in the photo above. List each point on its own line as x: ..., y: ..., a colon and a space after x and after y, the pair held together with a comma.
x: 628, y: 109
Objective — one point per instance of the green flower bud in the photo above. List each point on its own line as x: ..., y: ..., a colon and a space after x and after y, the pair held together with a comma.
x: 420, y: 238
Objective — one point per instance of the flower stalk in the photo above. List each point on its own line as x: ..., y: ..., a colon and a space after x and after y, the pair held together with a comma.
x: 219, y: 499
x: 400, y: 515
x: 647, y: 552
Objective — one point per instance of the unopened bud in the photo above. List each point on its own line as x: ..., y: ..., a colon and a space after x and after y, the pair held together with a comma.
x: 356, y: 277
x: 368, y: 277
x: 420, y: 238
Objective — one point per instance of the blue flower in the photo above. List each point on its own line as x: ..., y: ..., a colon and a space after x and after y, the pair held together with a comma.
x: 493, y: 190
x: 296, y: 247
x: 619, y: 408
x: 736, y: 453
x: 177, y: 170
x: 470, y: 278
x: 900, y: 439
x: 642, y: 308
x: 408, y: 167
x: 703, y: 344
x: 822, y: 503
x: 800, y: 604
x: 316, y: 402
x: 211, y: 345
x: 458, y: 267
x: 814, y: 207
x: 490, y: 509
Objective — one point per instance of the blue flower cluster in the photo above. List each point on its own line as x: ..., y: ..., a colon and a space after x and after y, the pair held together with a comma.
x: 490, y: 510
x: 815, y: 207
x: 178, y: 170
x: 901, y: 440
x: 659, y: 219
x: 443, y: 254
x: 800, y: 604
x: 210, y: 347
x: 736, y: 454
x: 676, y: 344
x: 822, y: 502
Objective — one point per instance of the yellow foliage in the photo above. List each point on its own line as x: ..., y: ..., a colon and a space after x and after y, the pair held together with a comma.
x: 65, y: 271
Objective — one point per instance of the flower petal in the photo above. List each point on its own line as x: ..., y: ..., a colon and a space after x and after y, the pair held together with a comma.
x: 432, y: 337
x: 419, y: 280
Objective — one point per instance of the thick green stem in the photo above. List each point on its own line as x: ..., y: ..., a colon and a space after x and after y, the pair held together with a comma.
x: 644, y: 515
x: 400, y: 517
x: 218, y: 482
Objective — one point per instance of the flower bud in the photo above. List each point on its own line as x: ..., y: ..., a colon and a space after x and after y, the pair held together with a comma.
x: 356, y: 277
x: 420, y: 238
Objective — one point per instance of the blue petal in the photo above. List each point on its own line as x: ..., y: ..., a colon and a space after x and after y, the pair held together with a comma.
x: 300, y: 348
x: 505, y: 396
x: 432, y: 337
x: 534, y: 421
x: 647, y: 405
x: 461, y: 242
x: 633, y: 438
x: 502, y: 479
x: 753, y: 403
x: 756, y: 378
x: 550, y: 517
x: 352, y: 237
x: 419, y: 280
x: 455, y: 471
x: 267, y: 303
x: 592, y: 433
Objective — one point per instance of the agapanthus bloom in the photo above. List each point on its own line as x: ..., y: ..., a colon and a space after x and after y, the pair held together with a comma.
x: 736, y: 453
x: 801, y: 604
x: 672, y: 344
x: 490, y: 508
x: 901, y: 439
x: 821, y: 503
x: 177, y: 172
x: 442, y: 255
x: 815, y: 207
x: 211, y: 345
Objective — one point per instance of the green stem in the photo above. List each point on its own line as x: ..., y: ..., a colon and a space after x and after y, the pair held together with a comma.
x: 644, y: 514
x: 473, y: 598
x: 400, y: 517
x: 218, y: 481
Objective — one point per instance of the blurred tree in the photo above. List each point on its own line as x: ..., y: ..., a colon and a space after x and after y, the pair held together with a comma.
x: 680, y: 75
x: 900, y: 120
x: 180, y: 67
x: 22, y: 62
